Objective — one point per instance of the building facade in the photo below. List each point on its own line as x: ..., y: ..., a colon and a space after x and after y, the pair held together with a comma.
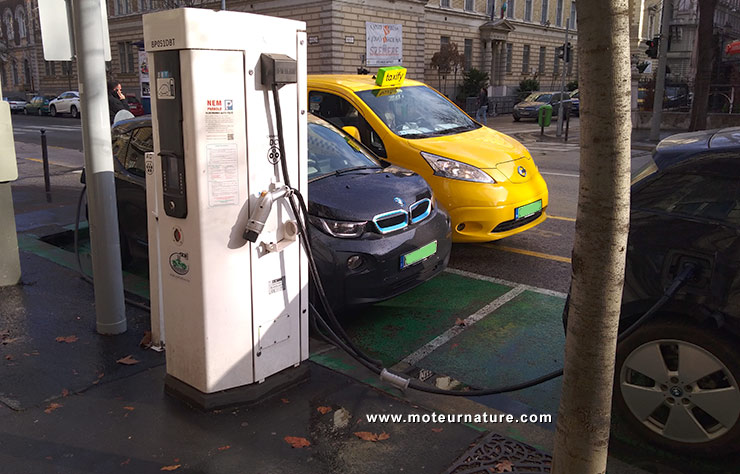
x: 511, y: 40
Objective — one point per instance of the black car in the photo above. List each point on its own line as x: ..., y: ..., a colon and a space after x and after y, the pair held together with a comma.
x: 677, y: 376
x: 375, y: 230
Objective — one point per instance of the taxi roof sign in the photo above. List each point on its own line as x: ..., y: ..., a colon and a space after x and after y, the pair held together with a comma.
x: 391, y: 76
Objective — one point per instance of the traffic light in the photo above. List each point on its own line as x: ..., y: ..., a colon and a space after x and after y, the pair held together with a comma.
x: 652, y: 47
x: 559, y: 51
x: 568, y: 52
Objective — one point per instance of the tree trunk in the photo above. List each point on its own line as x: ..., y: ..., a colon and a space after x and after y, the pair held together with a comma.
x: 602, y: 224
x: 705, y: 57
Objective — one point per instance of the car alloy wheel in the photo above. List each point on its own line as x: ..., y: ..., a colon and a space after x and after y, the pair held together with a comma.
x: 73, y: 112
x: 677, y: 384
x: 53, y: 111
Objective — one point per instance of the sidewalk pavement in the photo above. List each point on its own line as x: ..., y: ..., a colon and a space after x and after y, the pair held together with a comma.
x: 72, y: 401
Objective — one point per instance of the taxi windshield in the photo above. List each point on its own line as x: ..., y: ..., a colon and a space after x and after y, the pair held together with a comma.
x: 332, y: 152
x: 417, y: 112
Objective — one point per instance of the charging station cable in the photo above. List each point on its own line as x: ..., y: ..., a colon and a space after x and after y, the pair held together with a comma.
x: 335, y: 333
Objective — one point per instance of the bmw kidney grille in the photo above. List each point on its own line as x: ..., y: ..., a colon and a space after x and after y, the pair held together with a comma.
x: 395, y: 220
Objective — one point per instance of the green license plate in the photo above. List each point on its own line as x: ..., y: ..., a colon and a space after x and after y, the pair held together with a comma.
x: 528, y: 210
x: 419, y: 254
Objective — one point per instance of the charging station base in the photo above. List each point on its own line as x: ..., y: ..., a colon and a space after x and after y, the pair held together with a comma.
x: 245, y: 395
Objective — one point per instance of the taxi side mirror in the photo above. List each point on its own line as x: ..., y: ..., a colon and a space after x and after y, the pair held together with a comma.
x: 352, y: 131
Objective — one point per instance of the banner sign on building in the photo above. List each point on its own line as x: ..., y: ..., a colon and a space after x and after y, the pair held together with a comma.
x: 143, y: 74
x: 384, y: 44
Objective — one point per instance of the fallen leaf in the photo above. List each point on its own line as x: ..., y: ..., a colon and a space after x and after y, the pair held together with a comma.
x: 126, y: 462
x: 297, y: 442
x: 170, y: 468
x: 367, y: 436
x: 504, y: 466
x: 68, y: 339
x: 65, y: 392
x: 324, y: 410
x: 52, y: 406
x: 224, y: 448
x: 437, y: 430
x: 128, y: 360
x: 459, y: 322
x: 146, y: 341
x: 129, y: 408
x: 285, y: 400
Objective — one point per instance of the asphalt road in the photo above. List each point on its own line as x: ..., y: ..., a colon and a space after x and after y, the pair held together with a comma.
x: 63, y: 132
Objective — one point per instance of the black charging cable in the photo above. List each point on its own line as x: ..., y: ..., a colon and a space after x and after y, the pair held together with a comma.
x: 335, y: 333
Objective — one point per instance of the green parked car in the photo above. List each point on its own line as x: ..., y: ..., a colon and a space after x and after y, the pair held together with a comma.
x: 39, y: 105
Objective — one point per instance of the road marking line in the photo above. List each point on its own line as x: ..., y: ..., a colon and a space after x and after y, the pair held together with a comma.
x: 569, y: 175
x: 438, y: 341
x: 501, y: 281
x: 530, y: 253
x: 37, y: 160
x: 569, y: 219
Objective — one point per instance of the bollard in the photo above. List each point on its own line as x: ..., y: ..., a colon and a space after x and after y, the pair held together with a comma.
x: 45, y: 157
x: 567, y: 122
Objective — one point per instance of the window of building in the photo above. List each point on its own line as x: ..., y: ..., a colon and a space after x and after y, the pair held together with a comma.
x: 572, y: 15
x: 2, y: 73
x: 510, y: 8
x: 126, y: 57
x: 491, y: 7
x: 20, y: 17
x: 444, y: 3
x: 545, y: 12
x: 27, y: 73
x: 509, y: 56
x: 469, y: 5
x: 559, y: 13
x: 50, y: 68
x: 122, y: 7
x: 468, y: 54
x: 527, y: 10
x: 556, y: 65
x: 67, y: 68
x: 16, y: 79
x: 525, y: 60
x: 147, y: 5
x: 572, y: 61
x: 443, y: 40
x: 541, y: 66
x: 8, y: 20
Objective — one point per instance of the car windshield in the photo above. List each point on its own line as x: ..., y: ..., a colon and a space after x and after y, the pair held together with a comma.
x: 333, y: 152
x: 417, y: 112
x: 537, y: 97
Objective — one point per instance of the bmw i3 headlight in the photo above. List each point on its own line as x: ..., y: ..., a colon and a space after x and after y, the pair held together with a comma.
x: 341, y: 229
x: 452, y: 169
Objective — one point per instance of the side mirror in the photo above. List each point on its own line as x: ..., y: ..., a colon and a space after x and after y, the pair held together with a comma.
x: 352, y: 131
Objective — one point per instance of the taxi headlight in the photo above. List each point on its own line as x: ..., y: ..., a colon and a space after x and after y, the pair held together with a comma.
x: 341, y: 229
x: 452, y: 169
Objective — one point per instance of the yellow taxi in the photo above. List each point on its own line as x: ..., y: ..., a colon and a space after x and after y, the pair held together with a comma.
x: 486, y: 180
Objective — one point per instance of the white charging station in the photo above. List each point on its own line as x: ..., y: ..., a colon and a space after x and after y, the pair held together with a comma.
x: 230, y: 312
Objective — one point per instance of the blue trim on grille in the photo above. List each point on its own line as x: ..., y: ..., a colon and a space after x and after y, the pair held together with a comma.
x: 426, y: 213
x: 386, y: 215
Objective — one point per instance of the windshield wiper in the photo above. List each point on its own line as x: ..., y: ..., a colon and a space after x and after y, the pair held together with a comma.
x: 356, y: 168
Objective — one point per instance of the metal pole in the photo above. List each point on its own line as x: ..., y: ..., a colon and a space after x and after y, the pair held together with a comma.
x: 45, y: 159
x: 223, y: 4
x: 104, y: 241
x: 562, y: 79
x: 665, y: 24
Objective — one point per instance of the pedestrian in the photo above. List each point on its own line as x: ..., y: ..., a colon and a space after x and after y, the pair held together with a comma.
x: 481, y: 115
x: 116, y: 99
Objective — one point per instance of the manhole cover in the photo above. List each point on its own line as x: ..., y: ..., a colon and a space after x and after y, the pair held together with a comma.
x: 495, y: 453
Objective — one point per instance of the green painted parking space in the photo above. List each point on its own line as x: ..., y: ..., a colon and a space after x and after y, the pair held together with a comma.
x: 521, y: 340
x: 393, y: 329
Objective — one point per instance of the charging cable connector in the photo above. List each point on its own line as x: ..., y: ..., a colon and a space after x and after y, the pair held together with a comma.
x: 262, y: 211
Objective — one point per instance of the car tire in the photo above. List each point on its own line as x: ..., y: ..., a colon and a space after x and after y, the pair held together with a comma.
x: 73, y: 112
x: 690, y: 402
x: 516, y: 119
x: 53, y: 111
